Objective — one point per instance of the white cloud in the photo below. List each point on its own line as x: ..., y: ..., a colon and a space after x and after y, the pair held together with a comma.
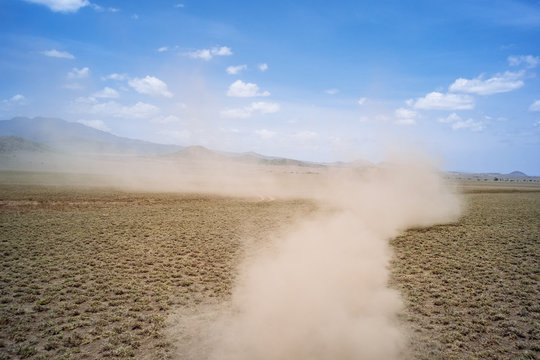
x: 201, y: 54
x: 150, y: 85
x: 96, y: 124
x: 112, y: 108
x: 222, y: 51
x: 453, y: 117
x: 265, y: 134
x: 529, y: 60
x: 264, y: 107
x: 468, y: 124
x: 163, y: 48
x: 107, y: 93
x: 535, y: 106
x: 439, y: 101
x: 115, y: 76
x: 179, y: 5
x: 405, y: 116
x: 361, y: 101
x: 135, y: 17
x: 247, y: 111
x: 101, y: 8
x: 500, y: 83
x: 62, y: 5
x: 16, y: 99
x: 58, y: 54
x: 242, y: 89
x: 79, y: 73
x: 458, y: 123
x: 233, y: 70
x: 208, y: 54
x: 263, y: 67
x: 331, y: 91
x: 169, y: 119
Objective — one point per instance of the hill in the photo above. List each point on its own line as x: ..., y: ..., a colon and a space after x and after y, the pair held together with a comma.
x: 200, y: 153
x: 15, y: 144
x: 78, y: 138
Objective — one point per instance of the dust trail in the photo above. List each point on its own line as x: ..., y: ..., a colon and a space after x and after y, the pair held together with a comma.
x: 321, y: 292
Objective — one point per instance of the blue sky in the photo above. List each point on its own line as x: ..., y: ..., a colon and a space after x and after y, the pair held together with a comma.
x: 312, y: 80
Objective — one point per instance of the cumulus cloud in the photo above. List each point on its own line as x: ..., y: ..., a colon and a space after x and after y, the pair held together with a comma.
x: 361, y: 101
x: 65, y: 6
x: 263, y: 67
x: 221, y: 51
x: 76, y: 73
x: 107, y: 93
x: 439, y: 101
x: 453, y: 117
x: 233, y: 70
x: 96, y: 124
x: 405, y: 116
x: 247, y: 111
x: 101, y: 8
x: 265, y: 107
x: 500, y: 83
x: 58, y: 54
x: 208, y: 54
x: 331, y: 91
x: 265, y: 134
x: 16, y: 99
x: 150, y: 85
x: 116, y: 77
x: 242, y: 89
x: 114, y: 109
x: 163, y: 48
x: 528, y: 60
x: 535, y: 106
x: 457, y: 123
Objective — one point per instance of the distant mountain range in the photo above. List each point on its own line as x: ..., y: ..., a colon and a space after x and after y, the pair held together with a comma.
x: 42, y: 135
x: 200, y: 153
x: 74, y: 137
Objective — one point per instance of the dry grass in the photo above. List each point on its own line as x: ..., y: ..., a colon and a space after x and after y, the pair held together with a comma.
x: 472, y: 288
x: 88, y: 274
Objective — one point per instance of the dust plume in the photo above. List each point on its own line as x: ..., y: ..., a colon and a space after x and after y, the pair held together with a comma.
x: 321, y: 291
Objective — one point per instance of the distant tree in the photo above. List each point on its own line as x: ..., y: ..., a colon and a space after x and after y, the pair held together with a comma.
x: 495, y: 179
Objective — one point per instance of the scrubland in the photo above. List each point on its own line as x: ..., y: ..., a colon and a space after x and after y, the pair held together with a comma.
x: 96, y: 273
x: 472, y: 287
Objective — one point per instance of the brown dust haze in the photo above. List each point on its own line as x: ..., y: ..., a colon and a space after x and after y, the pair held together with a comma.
x: 320, y: 291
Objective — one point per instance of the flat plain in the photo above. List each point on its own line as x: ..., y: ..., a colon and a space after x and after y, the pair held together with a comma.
x: 95, y: 272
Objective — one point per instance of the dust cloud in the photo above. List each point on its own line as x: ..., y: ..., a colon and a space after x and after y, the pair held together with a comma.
x: 318, y: 292
x: 321, y: 291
